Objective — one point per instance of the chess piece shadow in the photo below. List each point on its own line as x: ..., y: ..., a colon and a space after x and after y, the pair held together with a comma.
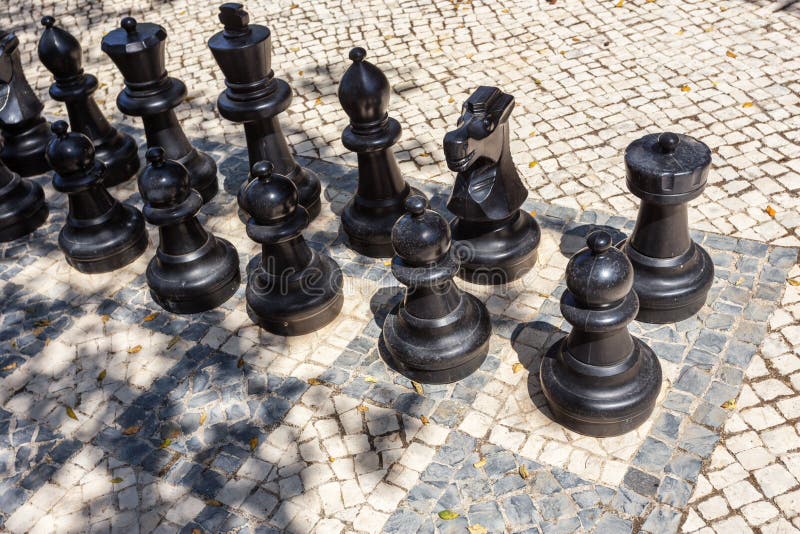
x: 531, y: 341
x: 383, y: 301
x: 574, y: 239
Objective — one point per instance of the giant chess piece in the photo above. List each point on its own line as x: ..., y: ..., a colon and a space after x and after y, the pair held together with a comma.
x: 100, y: 234
x: 61, y: 53
x: 193, y: 270
x: 138, y: 52
x: 496, y: 241
x: 370, y: 215
x: 293, y: 290
x: 673, y: 273
x: 22, y: 205
x: 600, y: 380
x: 439, y: 333
x: 21, y: 122
x: 255, y: 97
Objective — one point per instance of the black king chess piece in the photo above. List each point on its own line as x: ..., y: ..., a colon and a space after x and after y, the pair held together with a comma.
x: 439, y: 333
x: 496, y: 241
x: 368, y: 218
x: 61, y: 53
x: 293, y: 290
x: 600, y: 380
x: 673, y: 273
x: 21, y: 122
x: 193, y: 270
x: 22, y: 205
x: 138, y: 52
x: 100, y: 234
x: 255, y: 97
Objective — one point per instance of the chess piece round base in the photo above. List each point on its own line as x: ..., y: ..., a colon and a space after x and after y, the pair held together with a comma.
x: 121, y: 156
x: 24, y: 152
x: 22, y: 209
x: 442, y: 350
x: 499, y: 255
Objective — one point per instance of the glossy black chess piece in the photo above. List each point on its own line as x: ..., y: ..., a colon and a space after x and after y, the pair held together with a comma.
x: 439, y: 333
x: 61, y: 53
x: 673, y: 273
x: 496, y: 241
x: 21, y: 122
x: 22, y: 205
x: 293, y: 290
x: 138, y: 52
x: 599, y: 380
x: 368, y: 218
x: 193, y: 270
x: 100, y: 234
x: 255, y: 97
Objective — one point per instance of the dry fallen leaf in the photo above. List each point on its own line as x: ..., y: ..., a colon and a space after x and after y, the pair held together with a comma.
x: 418, y: 388
x: 533, y: 164
x: 300, y: 72
x: 533, y: 213
x: 102, y: 375
x: 116, y: 480
x: 361, y: 408
x: 447, y: 515
x: 213, y: 502
x: 370, y: 379
x: 729, y: 404
x: 10, y: 366
x: 620, y: 3
x: 523, y: 471
x: 747, y: 105
x: 517, y: 367
x: 166, y: 443
x: 203, y: 417
x: 314, y: 381
x: 730, y: 53
x: 173, y: 342
x: 451, y: 100
x: 41, y: 323
x: 240, y: 363
x: 150, y: 317
x: 131, y: 430
x: 318, y: 101
x: 685, y: 88
x: 480, y: 463
x: 331, y: 459
x: 680, y: 32
x: 134, y: 350
x: 105, y: 318
x: 253, y: 443
x: 770, y: 211
x: 424, y: 419
x: 197, y: 531
x: 71, y: 413
x: 794, y: 282
x: 387, y: 263
x: 477, y: 528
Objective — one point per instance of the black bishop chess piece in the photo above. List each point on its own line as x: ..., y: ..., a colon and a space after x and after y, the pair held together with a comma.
x: 21, y: 122
x: 193, y: 270
x: 599, y: 380
x: 61, y: 53
x: 137, y: 49
x: 496, y: 240
x: 293, y: 290
x: 100, y: 234
x: 438, y: 334
x: 673, y: 273
x: 368, y: 218
x: 255, y: 97
x: 22, y: 205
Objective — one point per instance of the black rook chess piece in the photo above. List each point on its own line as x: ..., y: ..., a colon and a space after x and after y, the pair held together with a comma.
x: 600, y: 380
x: 61, y: 53
x: 673, y: 273
x: 193, y: 270
x: 100, y: 234
x: 22, y: 205
x: 293, y: 290
x: 21, y: 122
x: 138, y: 52
x: 497, y: 241
x: 255, y: 97
x: 439, y: 333
x: 370, y: 215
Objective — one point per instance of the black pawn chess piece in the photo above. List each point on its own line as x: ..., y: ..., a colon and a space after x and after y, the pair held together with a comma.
x: 496, y: 240
x: 293, y: 290
x: 599, y: 380
x: 138, y: 52
x: 22, y: 205
x: 368, y: 218
x: 61, y: 53
x: 673, y: 273
x: 21, y: 122
x: 439, y: 333
x: 100, y: 234
x: 193, y: 270
x: 255, y: 97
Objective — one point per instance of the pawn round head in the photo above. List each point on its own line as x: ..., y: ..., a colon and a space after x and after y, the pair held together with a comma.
x: 69, y: 152
x: 364, y: 90
x: 269, y: 198
x: 164, y: 182
x: 128, y: 24
x: 59, y: 51
x: 421, y: 236
x: 599, y: 275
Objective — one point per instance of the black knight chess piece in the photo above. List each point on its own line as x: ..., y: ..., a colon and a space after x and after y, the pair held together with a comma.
x: 22, y: 205
x: 100, y: 234
x: 21, y: 122
x: 599, y: 380
x: 497, y: 241
x: 293, y: 290
x: 61, y: 53
x: 368, y: 218
x: 438, y: 334
x: 673, y: 273
x: 255, y: 97
x: 193, y: 270
x: 138, y: 52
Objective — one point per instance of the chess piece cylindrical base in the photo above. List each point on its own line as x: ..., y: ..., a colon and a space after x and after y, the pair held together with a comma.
x: 121, y: 155
x: 22, y: 208
x: 24, y: 151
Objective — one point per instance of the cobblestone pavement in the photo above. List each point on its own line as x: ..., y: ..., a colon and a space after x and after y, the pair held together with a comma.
x: 116, y: 415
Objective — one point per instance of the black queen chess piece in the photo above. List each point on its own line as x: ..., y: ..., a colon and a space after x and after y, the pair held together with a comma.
x: 496, y: 241
x: 673, y: 273
x: 21, y: 122
x: 100, y: 234
x: 293, y: 290
x: 438, y: 334
x: 369, y: 216
x: 22, y: 205
x: 137, y: 49
x: 599, y: 380
x: 193, y: 270
x: 255, y: 97
x: 61, y: 53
